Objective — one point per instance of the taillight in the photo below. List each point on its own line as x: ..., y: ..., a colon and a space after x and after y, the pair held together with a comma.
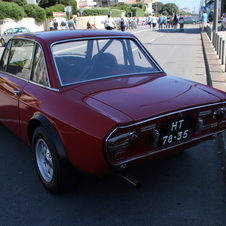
x: 122, y: 141
x: 219, y: 113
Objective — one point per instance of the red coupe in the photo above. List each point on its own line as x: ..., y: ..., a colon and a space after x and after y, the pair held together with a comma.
x: 97, y: 101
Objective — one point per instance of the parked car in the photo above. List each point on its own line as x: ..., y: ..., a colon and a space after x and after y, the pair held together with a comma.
x: 10, y: 32
x: 96, y: 101
x: 192, y: 20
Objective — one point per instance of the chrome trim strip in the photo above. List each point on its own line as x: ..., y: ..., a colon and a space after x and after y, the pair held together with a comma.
x: 168, y: 114
x: 157, y: 117
x: 161, y: 150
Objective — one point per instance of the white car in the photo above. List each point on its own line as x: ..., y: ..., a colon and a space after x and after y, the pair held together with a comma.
x: 10, y: 32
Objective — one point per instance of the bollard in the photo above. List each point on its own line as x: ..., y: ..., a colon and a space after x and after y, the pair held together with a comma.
x: 223, y: 52
x: 214, y: 39
x: 220, y: 48
x: 217, y: 42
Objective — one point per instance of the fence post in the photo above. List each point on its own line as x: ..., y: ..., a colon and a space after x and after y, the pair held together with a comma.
x: 220, y: 48
x: 223, y: 52
x: 214, y: 39
x: 217, y: 43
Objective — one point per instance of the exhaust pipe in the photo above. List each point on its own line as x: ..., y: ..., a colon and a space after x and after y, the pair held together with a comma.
x: 130, y: 179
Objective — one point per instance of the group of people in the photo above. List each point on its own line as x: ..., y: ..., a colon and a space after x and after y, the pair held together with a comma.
x: 166, y: 22
x: 70, y: 24
x: 122, y: 23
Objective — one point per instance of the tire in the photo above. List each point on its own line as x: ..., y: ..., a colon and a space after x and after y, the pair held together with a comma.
x: 2, y: 42
x: 55, y: 176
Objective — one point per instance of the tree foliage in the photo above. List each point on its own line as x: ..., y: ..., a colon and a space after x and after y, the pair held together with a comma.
x: 55, y: 8
x: 11, y: 10
x: 36, y: 12
x: 157, y: 8
x: 170, y: 9
x: 19, y: 2
x: 122, y: 6
x: 49, y: 3
x: 139, y: 5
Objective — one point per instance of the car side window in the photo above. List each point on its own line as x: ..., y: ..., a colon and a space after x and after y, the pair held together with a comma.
x: 8, y: 31
x: 5, y: 57
x: 20, y: 58
x: 39, y: 73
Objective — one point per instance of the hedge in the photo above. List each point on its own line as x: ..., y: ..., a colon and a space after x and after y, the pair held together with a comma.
x: 102, y: 11
x: 11, y: 10
x: 36, y: 12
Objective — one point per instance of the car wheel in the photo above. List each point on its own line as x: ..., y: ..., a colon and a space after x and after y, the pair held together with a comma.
x: 2, y: 42
x: 56, y: 176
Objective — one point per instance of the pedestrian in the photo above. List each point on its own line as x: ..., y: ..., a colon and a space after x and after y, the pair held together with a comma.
x: 168, y: 21
x: 149, y: 20
x: 160, y: 22
x: 123, y: 22
x: 109, y: 23
x: 63, y: 25
x: 204, y: 20
x: 55, y: 25
x: 223, y: 22
x: 51, y: 25
x: 175, y: 22
x: 210, y: 18
x: 88, y: 25
x: 153, y: 22
x: 164, y: 22
x: 181, y: 22
x: 71, y: 24
x: 66, y: 24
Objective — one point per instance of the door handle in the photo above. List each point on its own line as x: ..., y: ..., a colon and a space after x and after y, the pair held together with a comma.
x: 17, y: 92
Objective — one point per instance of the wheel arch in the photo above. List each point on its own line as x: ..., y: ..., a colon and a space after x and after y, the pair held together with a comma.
x: 39, y: 119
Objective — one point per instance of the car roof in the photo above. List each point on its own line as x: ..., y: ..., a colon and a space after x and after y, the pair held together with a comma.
x: 49, y: 37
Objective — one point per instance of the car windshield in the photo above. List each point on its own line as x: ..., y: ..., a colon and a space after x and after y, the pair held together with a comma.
x: 20, y: 30
x: 92, y: 59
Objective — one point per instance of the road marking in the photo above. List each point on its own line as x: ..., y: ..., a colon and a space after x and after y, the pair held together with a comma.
x: 134, y: 32
x: 152, y: 40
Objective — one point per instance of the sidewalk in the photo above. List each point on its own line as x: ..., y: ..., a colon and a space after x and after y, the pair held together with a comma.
x: 218, y: 78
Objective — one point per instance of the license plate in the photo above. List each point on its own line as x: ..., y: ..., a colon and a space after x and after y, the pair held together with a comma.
x: 175, y: 131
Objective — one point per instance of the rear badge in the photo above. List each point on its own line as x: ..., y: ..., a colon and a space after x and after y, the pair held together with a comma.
x: 146, y: 128
x: 210, y: 125
x: 208, y: 112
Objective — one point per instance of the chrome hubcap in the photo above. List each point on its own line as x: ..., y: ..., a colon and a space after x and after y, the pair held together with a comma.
x: 44, y: 160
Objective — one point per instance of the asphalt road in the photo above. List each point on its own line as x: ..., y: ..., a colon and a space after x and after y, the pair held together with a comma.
x: 185, y: 189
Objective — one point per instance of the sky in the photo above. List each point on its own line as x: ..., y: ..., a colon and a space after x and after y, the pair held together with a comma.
x: 191, y: 4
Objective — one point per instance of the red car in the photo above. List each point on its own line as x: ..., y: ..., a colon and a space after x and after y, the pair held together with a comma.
x: 97, y: 101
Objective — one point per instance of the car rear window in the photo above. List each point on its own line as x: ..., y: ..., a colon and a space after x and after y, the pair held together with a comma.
x: 92, y: 59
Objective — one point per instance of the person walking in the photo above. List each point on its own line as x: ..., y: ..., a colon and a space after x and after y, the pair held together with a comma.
x: 160, y: 22
x: 154, y: 22
x: 181, y: 22
x: 210, y: 18
x: 175, y: 22
x: 109, y: 23
x: 55, y: 25
x: 88, y: 25
x: 123, y: 22
x: 71, y: 24
x: 51, y: 25
x: 164, y: 22
x: 204, y: 20
x: 149, y: 21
